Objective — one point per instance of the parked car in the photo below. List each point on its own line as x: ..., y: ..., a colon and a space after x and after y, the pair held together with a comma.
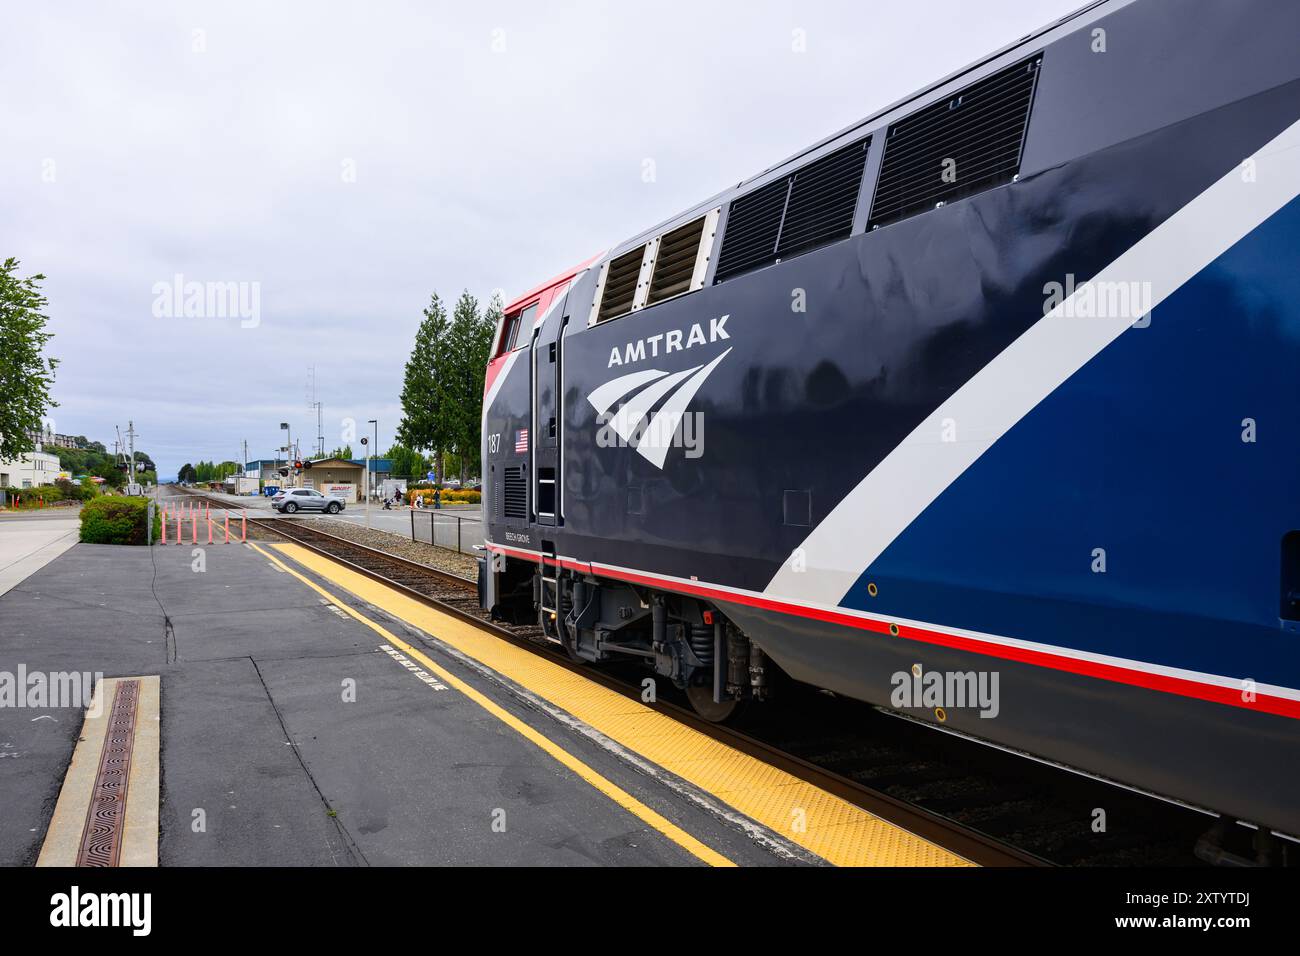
x: 451, y: 483
x: 305, y: 499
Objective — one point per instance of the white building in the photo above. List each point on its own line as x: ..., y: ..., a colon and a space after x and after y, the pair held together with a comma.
x: 29, y: 471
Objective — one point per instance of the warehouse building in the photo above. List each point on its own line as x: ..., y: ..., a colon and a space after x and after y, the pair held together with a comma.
x: 336, y: 477
x: 29, y: 471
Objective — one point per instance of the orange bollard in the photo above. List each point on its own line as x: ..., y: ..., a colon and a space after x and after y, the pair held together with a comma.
x: 180, y: 538
x: 194, y: 527
x: 243, y: 527
x: 209, y: 529
x: 227, y: 527
x: 163, y: 539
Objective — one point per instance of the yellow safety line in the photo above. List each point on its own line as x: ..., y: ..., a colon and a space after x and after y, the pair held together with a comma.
x: 605, y: 786
x: 822, y: 823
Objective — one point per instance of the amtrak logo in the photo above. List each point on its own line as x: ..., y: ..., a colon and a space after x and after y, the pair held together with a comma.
x: 675, y: 340
x: 670, y: 425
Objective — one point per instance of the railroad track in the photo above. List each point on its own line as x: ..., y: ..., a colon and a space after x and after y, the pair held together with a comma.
x: 992, y: 807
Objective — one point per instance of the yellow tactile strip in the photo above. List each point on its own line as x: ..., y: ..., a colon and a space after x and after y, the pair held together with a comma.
x: 832, y: 828
x: 139, y: 841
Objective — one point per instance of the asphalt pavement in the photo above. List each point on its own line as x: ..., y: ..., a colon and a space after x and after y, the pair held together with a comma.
x: 291, y: 737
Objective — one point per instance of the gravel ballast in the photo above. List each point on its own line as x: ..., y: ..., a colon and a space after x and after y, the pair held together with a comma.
x: 440, y: 558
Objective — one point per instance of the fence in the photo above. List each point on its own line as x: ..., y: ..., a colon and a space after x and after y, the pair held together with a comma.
x: 446, y: 530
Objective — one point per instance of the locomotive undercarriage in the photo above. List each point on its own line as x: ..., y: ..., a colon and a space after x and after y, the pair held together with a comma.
x: 682, y: 639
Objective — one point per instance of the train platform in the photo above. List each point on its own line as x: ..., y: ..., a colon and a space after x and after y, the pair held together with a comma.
x: 31, y: 540
x: 303, y: 714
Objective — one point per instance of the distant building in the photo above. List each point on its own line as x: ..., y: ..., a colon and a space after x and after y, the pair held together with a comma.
x: 265, y: 469
x: 342, y: 477
x: 380, y: 468
x: 29, y: 471
x: 336, y: 477
x: 51, y: 439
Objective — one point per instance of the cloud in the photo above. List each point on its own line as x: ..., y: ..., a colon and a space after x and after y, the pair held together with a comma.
x: 350, y: 159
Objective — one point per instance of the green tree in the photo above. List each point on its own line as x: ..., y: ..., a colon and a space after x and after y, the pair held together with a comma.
x: 424, y: 412
x: 344, y: 452
x: 407, y: 462
x: 470, y: 341
x: 187, y: 473
x: 486, y: 333
x: 25, y: 373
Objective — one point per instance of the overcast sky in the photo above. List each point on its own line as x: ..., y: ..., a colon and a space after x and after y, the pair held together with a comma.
x: 349, y: 159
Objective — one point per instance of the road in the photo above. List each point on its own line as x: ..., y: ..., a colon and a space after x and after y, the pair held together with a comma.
x: 396, y: 522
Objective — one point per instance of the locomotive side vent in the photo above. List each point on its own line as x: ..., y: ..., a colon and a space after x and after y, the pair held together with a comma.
x: 823, y: 196
x: 620, y: 285
x: 956, y: 147
x: 752, y: 230
x: 811, y: 207
x: 514, y: 497
x: 675, y: 263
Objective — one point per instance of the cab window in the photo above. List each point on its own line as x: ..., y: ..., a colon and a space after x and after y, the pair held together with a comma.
x: 510, y: 326
x: 524, y: 322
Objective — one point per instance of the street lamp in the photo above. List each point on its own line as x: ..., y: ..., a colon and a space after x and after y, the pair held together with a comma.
x: 365, y: 479
x: 373, y: 451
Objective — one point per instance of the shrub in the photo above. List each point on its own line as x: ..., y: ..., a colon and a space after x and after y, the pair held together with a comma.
x: 37, y: 497
x: 117, y: 520
x: 70, y: 492
x: 449, y: 496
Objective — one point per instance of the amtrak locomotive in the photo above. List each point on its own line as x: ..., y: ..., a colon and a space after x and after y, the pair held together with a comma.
x: 993, y: 394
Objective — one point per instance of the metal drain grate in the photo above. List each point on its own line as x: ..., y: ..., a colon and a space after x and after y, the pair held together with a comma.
x: 101, y: 840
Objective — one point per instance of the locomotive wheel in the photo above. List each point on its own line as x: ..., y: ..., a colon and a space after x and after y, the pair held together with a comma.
x: 701, y: 700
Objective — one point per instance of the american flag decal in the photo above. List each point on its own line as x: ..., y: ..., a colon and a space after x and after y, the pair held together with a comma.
x: 521, y: 441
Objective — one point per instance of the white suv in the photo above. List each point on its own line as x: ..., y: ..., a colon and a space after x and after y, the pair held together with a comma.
x: 305, y: 499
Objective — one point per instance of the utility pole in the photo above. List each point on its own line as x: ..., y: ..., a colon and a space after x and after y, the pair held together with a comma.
x: 288, y: 450
x: 320, y: 429
x: 320, y: 424
x: 128, y: 448
x: 370, y: 451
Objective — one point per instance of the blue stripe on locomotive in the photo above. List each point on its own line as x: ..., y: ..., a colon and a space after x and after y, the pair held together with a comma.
x: 1139, y: 453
